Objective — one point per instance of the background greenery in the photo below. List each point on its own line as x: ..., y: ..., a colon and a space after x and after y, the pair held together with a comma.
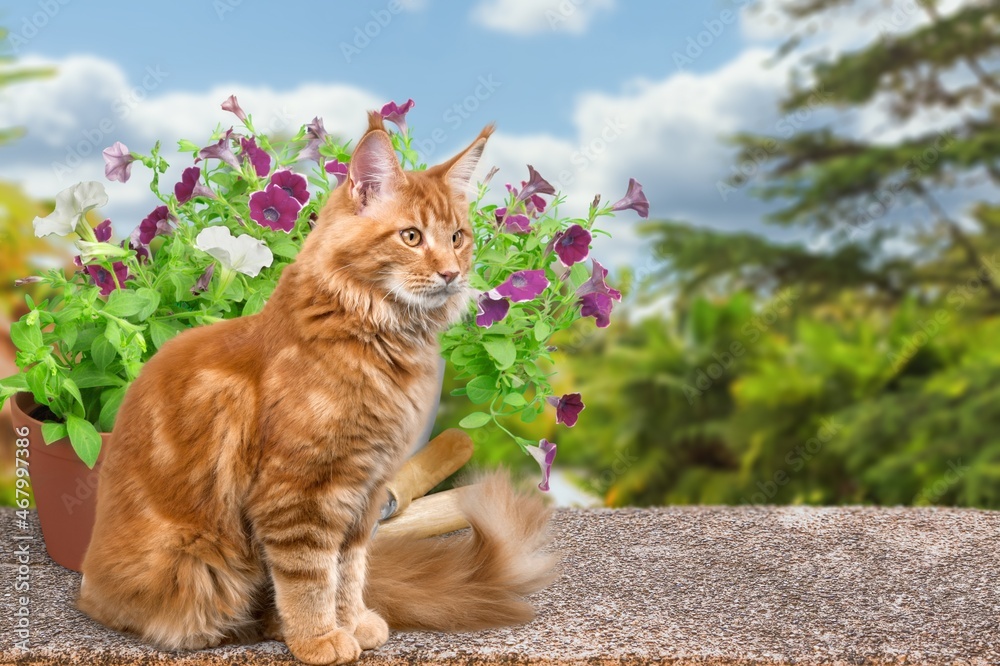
x: 859, y: 365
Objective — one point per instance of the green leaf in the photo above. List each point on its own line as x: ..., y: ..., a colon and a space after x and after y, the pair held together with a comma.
x: 26, y: 337
x: 475, y: 420
x: 463, y: 354
x: 109, y: 411
x: 515, y: 400
x: 502, y: 350
x: 68, y: 333
x: 481, y: 389
x: 152, y: 298
x: 113, y: 334
x: 578, y: 274
x: 255, y: 303
x: 542, y: 331
x: 70, y: 387
x: 53, y: 432
x: 102, y: 352
x: 88, y: 375
x: 126, y: 303
x: 460, y: 391
x: 160, y: 332
x: 85, y: 439
x: 14, y: 384
x: 284, y: 247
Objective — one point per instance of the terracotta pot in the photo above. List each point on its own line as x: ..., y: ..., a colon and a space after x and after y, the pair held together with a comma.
x: 65, y: 490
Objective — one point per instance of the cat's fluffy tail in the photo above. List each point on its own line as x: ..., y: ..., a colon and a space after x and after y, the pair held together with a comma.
x: 475, y: 580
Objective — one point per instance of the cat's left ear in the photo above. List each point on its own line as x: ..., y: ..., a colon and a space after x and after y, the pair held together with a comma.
x: 374, y: 171
x: 459, y: 169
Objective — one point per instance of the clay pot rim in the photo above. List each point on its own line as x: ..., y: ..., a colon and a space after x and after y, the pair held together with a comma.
x: 21, y: 406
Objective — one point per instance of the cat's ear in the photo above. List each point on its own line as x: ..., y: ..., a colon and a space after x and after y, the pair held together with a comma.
x: 374, y: 171
x: 459, y: 169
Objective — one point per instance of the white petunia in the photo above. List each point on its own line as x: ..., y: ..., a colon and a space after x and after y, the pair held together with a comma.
x: 72, y: 205
x: 243, y: 253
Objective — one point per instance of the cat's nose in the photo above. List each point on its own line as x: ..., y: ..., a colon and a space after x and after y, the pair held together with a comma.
x: 449, y: 276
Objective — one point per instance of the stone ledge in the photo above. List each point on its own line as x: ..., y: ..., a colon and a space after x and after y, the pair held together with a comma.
x: 682, y: 585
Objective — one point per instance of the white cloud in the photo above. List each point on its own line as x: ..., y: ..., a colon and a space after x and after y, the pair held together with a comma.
x: 522, y: 17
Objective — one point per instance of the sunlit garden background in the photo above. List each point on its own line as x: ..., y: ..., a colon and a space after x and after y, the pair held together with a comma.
x: 812, y: 310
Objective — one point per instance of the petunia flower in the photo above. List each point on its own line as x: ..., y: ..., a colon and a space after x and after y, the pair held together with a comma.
x: 258, y: 157
x: 103, y: 231
x: 634, y: 199
x: 396, y: 113
x: 274, y: 208
x: 117, y: 162
x: 103, y: 278
x: 568, y: 408
x: 491, y: 310
x: 316, y: 134
x: 544, y: 454
x: 72, y: 206
x: 135, y: 243
x: 220, y: 151
x: 535, y: 185
x: 514, y: 224
x: 598, y: 306
x: 244, y: 254
x: 190, y: 186
x: 155, y: 224
x: 523, y: 285
x: 201, y: 286
x: 293, y: 183
x: 234, y: 107
x: 597, y: 284
x: 338, y: 170
x: 571, y: 245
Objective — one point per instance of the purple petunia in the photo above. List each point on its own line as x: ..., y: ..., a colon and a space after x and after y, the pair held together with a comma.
x: 514, y: 224
x: 190, y: 186
x: 102, y: 232
x: 634, y: 199
x: 544, y: 454
x: 274, y: 208
x: 571, y: 245
x: 234, y: 107
x: 117, y: 162
x: 258, y: 157
x: 135, y: 243
x: 201, y: 286
x: 338, y: 170
x: 491, y: 310
x: 220, y: 151
x: 396, y: 113
x: 597, y: 284
x: 535, y: 185
x: 568, y: 408
x: 598, y: 306
x: 316, y: 135
x: 523, y: 285
x: 103, y: 278
x: 156, y: 224
x: 293, y: 183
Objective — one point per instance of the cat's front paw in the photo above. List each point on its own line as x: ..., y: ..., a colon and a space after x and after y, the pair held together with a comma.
x: 334, y: 647
x: 372, y: 631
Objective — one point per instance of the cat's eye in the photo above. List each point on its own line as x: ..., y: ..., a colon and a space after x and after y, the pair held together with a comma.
x: 457, y: 238
x: 411, y: 237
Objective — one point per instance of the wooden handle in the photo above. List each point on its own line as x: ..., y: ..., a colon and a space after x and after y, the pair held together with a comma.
x: 443, y: 456
x: 427, y: 517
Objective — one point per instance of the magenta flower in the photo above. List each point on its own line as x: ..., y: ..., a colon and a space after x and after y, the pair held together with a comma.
x: 117, y: 162
x: 316, y: 135
x: 544, y: 454
x: 201, y: 286
x: 514, y: 224
x: 274, y: 208
x: 135, y: 243
x: 103, y: 231
x: 491, y: 310
x: 396, y: 114
x: 597, y: 284
x: 598, y: 306
x: 258, y: 157
x: 293, y: 183
x: 234, y: 107
x: 190, y: 186
x: 103, y: 278
x: 571, y: 245
x: 523, y: 285
x: 568, y: 408
x: 535, y: 185
x: 156, y: 224
x: 337, y: 169
x: 634, y: 199
x: 220, y: 151
x: 535, y: 206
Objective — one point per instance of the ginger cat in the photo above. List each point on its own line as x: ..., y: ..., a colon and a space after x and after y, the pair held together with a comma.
x: 250, y: 457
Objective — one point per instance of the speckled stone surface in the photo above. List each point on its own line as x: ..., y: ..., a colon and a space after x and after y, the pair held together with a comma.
x: 696, y: 585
